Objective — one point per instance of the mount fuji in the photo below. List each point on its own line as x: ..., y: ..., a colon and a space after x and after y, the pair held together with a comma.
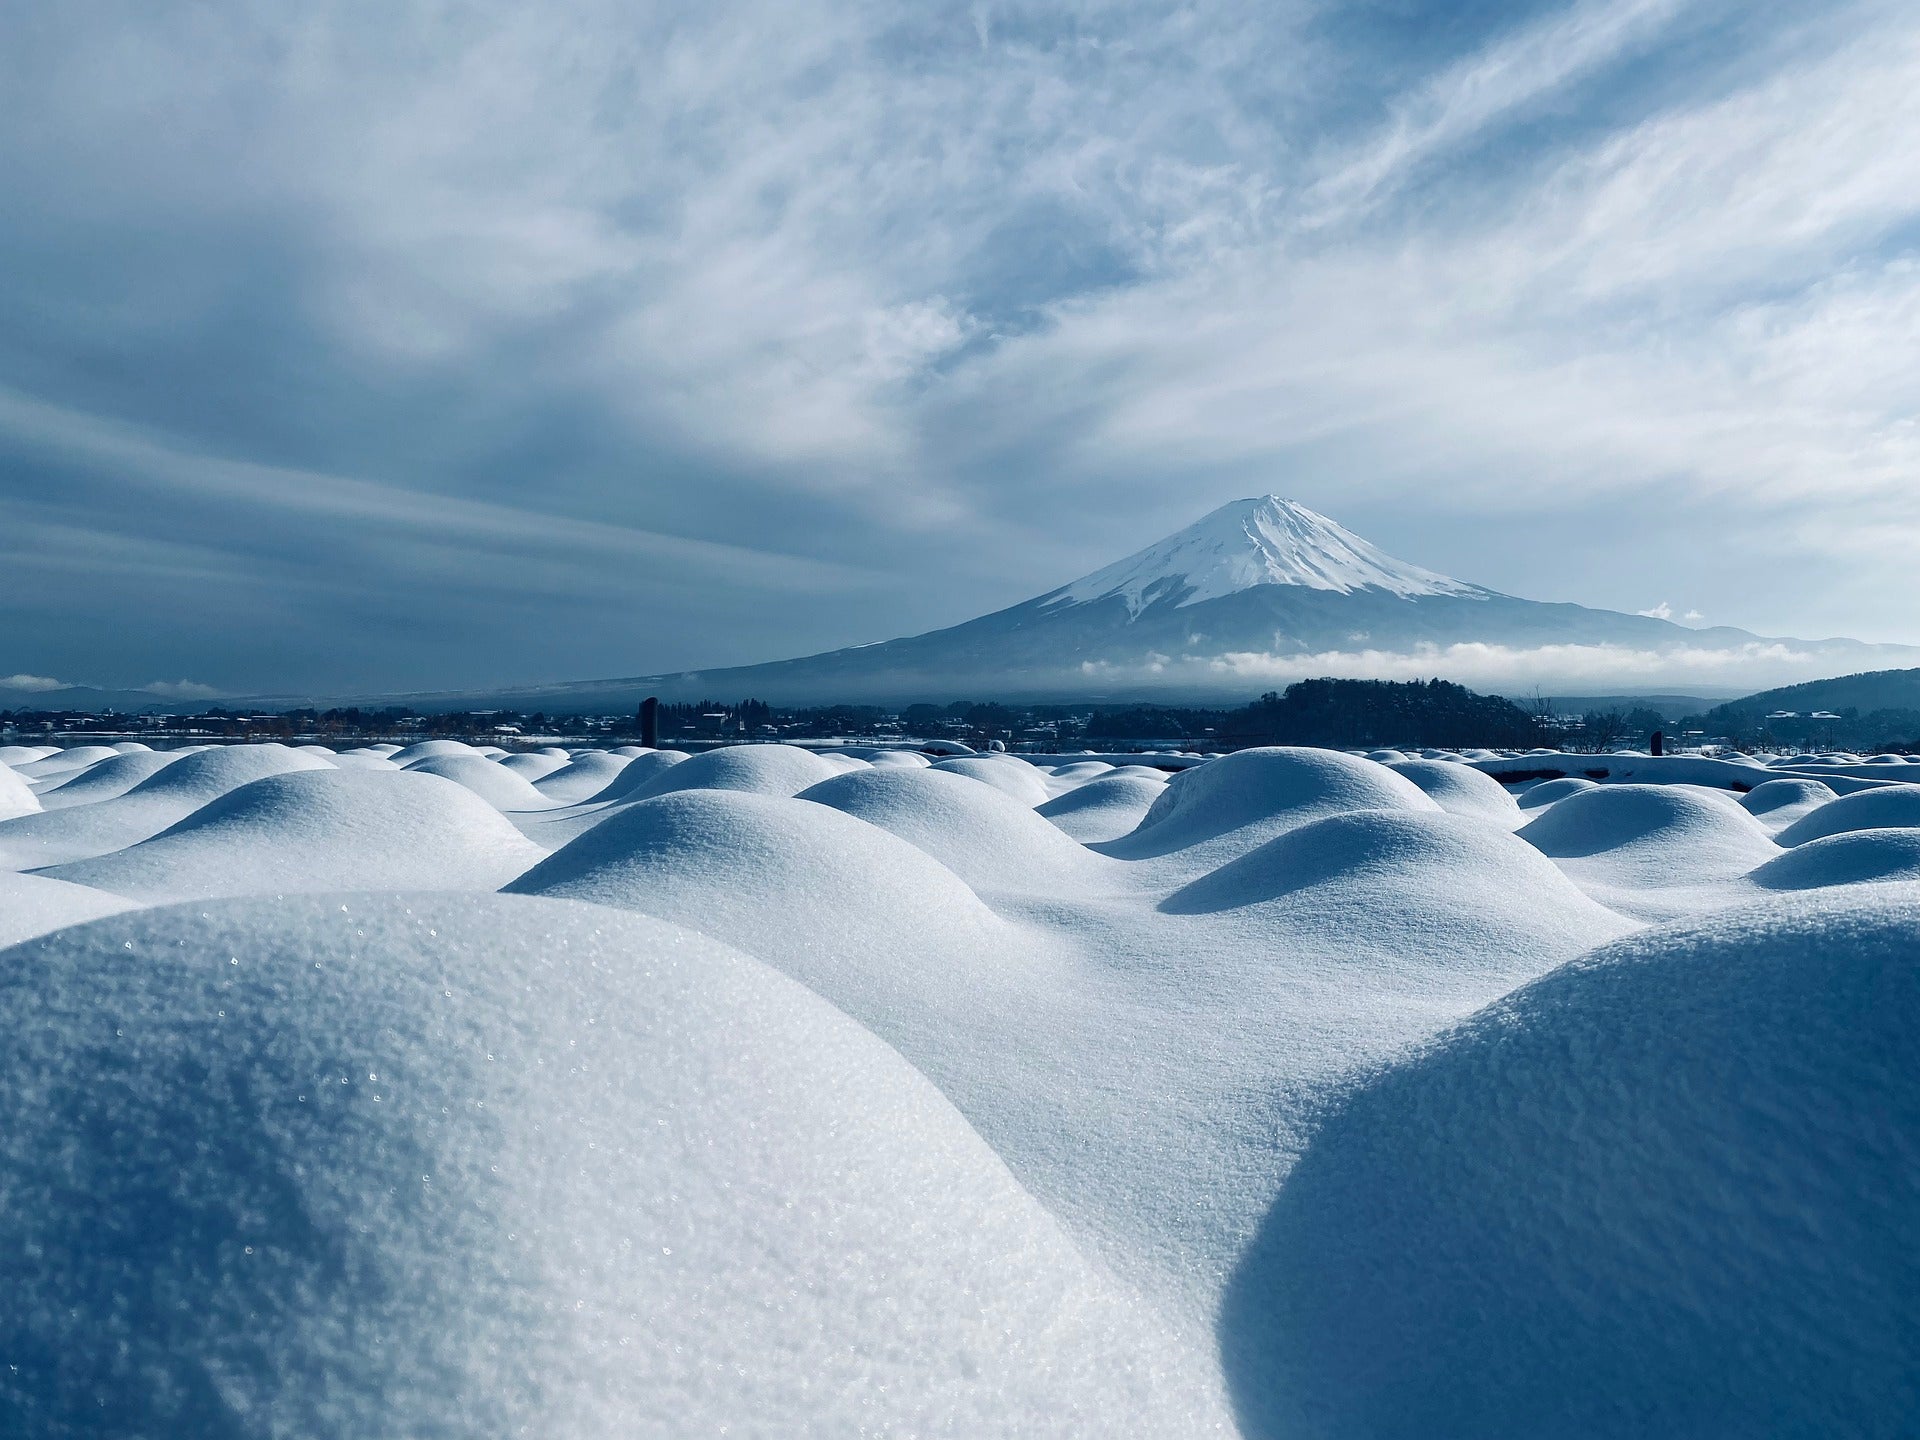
x: 1258, y: 593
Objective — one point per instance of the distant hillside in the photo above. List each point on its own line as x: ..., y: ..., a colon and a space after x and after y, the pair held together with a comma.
x: 1874, y: 690
x: 1876, y: 709
x: 90, y: 700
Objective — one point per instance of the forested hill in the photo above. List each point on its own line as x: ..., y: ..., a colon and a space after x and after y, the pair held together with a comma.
x: 1351, y: 713
x: 1875, y: 709
x: 1873, y: 690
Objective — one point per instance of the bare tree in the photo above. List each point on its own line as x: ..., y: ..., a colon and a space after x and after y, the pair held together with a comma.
x: 1603, y: 729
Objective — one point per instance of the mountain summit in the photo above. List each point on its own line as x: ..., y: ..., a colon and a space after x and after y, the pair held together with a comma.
x: 1250, y: 597
x: 1262, y: 541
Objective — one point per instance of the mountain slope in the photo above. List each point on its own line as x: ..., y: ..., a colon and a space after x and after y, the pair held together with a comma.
x: 1256, y: 594
x: 1268, y: 541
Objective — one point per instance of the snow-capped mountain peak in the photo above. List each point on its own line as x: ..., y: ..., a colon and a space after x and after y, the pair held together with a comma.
x: 1261, y: 541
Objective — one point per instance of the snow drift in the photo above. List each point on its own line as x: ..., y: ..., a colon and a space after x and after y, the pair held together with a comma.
x: 868, y: 1089
x: 429, y: 1166
x: 1658, y: 1190
x: 320, y: 830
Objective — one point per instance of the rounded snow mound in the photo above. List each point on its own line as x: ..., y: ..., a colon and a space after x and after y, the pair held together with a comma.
x: 584, y: 779
x: 758, y: 769
x: 1612, y: 817
x: 770, y: 874
x: 499, y: 787
x: 1417, y: 884
x: 1382, y: 845
x: 899, y: 759
x: 428, y: 749
x: 531, y: 767
x: 105, y: 781
x: 16, y: 796
x: 321, y: 830
x: 356, y: 759
x: 986, y: 837
x: 1778, y: 804
x: 1850, y: 858
x: 1663, y: 1190
x: 1772, y: 795
x: 1460, y: 789
x: 426, y: 1165
x: 80, y: 832
x: 1277, y: 787
x: 1105, y: 808
x: 1079, y: 772
x: 640, y: 771
x: 1884, y: 807
x: 208, y: 774
x: 1549, y: 792
x: 77, y: 757
x: 32, y: 905
x: 1008, y: 776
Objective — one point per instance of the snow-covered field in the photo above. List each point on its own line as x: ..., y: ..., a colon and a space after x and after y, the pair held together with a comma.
x: 441, y: 1092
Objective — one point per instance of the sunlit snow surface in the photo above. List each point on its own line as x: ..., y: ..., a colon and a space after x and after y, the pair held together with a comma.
x: 438, y: 1092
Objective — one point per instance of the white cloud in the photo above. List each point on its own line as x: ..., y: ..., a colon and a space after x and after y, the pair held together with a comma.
x: 33, y: 684
x: 182, y: 690
x: 1481, y: 664
x: 480, y: 527
x: 1469, y: 97
x: 1662, y: 611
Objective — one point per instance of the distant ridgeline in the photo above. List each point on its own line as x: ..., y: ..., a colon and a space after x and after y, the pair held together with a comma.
x: 1877, y: 710
x: 1342, y: 713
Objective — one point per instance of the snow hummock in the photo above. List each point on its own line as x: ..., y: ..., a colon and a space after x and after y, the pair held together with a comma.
x: 1462, y: 790
x: 321, y: 830
x: 427, y: 1165
x: 1666, y: 1189
x: 1862, y: 810
x: 1261, y: 541
x: 16, y: 795
x: 33, y: 905
x: 1104, y: 807
x: 799, y: 1093
x: 1251, y: 796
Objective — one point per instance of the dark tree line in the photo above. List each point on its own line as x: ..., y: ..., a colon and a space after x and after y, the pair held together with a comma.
x: 1871, y: 732
x: 1342, y: 713
x: 1364, y: 713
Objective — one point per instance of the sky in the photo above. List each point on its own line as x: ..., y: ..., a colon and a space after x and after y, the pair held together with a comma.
x: 421, y: 346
